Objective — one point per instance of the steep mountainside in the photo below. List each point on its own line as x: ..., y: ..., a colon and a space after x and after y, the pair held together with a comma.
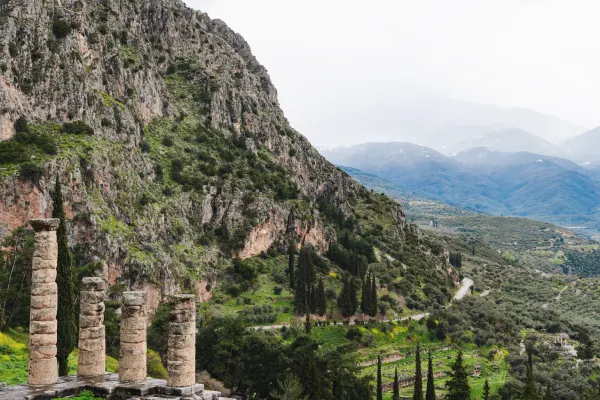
x: 169, y: 141
x: 522, y: 184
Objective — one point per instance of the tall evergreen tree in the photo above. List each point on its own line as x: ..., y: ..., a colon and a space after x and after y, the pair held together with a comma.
x: 396, y: 395
x: 430, y: 394
x: 379, y: 383
x: 291, y: 262
x: 321, y: 301
x: 344, y: 300
x: 67, y: 329
x: 458, y: 385
x: 486, y: 390
x: 365, y: 304
x: 418, y: 390
x: 373, y: 298
x: 530, y: 391
x: 307, y: 324
x: 305, y: 279
x: 353, y: 295
x: 313, y: 299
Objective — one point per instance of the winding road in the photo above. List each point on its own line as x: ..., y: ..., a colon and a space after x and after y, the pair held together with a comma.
x: 416, y: 317
x: 465, y: 289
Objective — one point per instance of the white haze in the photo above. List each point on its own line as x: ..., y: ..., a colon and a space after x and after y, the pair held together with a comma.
x: 354, y: 71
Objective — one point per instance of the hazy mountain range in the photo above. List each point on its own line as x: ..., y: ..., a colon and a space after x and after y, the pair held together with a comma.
x: 518, y: 183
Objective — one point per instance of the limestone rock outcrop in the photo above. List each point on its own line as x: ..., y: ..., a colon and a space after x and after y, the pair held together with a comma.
x: 120, y: 68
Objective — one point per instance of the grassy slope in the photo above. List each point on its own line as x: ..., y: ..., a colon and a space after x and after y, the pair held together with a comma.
x: 14, y: 358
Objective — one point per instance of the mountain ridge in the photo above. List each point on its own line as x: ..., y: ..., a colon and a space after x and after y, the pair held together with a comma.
x: 483, y: 180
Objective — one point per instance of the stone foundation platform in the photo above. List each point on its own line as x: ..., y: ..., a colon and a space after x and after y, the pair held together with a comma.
x: 109, y: 388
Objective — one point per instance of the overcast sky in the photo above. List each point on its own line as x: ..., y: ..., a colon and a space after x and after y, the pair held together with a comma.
x: 349, y: 71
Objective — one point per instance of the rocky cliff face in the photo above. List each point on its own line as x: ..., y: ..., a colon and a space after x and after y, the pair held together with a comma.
x: 191, y: 160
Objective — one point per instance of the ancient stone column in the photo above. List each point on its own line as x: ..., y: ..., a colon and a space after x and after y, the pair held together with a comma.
x: 92, y: 342
x: 43, y: 367
x: 181, y: 359
x: 132, y: 359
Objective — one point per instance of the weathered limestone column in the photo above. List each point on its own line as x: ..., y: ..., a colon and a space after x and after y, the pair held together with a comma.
x: 43, y: 367
x: 181, y: 355
x: 92, y: 342
x: 132, y: 360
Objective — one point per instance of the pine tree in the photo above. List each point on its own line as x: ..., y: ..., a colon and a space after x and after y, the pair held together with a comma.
x: 530, y: 391
x: 379, y: 383
x: 430, y: 394
x: 321, y: 301
x: 396, y: 395
x: 458, y: 385
x: 291, y: 266
x: 418, y: 392
x: 486, y: 390
x: 67, y: 329
x: 365, y: 304
x: 373, y: 298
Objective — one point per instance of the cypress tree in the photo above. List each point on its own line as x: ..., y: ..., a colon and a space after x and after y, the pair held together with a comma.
x: 373, y: 298
x: 301, y: 289
x: 430, y: 394
x: 67, y: 329
x: 396, y: 395
x: 379, y: 383
x: 291, y: 266
x: 418, y: 392
x: 313, y: 299
x: 486, y: 390
x: 307, y: 324
x: 344, y: 301
x: 365, y: 304
x: 321, y: 301
x: 458, y: 385
x: 304, y: 280
x: 529, y: 391
x: 353, y: 295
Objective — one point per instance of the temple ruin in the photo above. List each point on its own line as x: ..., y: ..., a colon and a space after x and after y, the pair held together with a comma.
x: 92, y: 342
x: 43, y: 367
x: 132, y: 381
